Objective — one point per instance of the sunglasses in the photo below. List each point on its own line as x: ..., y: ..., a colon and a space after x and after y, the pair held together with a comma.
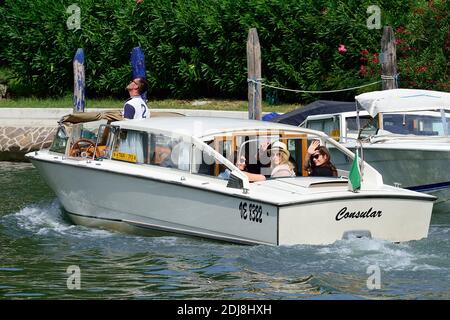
x: 316, y: 156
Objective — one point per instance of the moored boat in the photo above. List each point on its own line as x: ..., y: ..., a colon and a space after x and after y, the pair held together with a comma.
x: 403, y: 132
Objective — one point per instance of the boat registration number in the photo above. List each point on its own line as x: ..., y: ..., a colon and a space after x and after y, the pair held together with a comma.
x: 124, y: 156
x: 252, y: 212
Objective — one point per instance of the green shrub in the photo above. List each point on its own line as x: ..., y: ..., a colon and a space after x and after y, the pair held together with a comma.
x: 197, y: 48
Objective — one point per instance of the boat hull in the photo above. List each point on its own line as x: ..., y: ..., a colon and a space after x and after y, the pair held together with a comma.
x: 127, y: 202
x: 418, y: 170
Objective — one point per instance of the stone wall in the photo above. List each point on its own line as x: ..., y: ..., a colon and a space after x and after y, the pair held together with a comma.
x: 16, y: 141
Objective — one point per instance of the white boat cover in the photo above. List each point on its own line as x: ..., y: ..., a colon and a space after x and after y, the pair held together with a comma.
x: 403, y: 100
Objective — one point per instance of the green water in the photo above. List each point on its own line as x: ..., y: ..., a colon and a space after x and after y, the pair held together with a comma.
x: 38, y: 244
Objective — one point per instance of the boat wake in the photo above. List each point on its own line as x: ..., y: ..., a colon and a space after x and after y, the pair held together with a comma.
x: 48, y: 220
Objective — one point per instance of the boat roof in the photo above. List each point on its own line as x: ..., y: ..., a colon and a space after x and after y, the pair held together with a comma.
x: 297, y: 116
x: 403, y: 100
x: 203, y: 126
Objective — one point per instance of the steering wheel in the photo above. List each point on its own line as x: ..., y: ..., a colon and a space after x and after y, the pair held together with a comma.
x: 81, y: 146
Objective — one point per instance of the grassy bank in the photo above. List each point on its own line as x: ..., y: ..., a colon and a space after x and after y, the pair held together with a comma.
x: 210, y: 104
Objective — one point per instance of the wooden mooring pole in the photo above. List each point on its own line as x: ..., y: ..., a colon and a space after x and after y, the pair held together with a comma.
x: 254, y: 75
x: 388, y: 58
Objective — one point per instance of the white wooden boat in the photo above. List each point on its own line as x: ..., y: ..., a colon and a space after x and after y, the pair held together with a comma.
x: 123, y: 179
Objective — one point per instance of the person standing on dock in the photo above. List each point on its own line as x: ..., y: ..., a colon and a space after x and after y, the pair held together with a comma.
x: 135, y: 107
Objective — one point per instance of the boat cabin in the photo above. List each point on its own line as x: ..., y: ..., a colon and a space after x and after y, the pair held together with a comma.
x: 206, y: 146
x: 343, y: 126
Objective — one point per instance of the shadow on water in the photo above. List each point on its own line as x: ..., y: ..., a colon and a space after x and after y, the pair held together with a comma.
x: 38, y: 243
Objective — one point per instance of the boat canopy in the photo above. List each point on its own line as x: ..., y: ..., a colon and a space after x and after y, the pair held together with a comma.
x: 109, y: 115
x: 403, y: 100
x: 82, y: 117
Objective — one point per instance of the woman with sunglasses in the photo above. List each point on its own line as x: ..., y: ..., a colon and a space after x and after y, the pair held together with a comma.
x: 318, y: 161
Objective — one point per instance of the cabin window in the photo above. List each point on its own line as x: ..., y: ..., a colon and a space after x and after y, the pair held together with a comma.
x: 203, y: 162
x: 414, y: 124
x: 295, y: 147
x: 59, y: 143
x: 367, y: 124
x: 169, y: 152
x: 330, y: 126
x: 131, y: 146
x: 258, y: 161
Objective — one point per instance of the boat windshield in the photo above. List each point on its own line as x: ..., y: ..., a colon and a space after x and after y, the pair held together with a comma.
x: 424, y: 124
x: 367, y: 125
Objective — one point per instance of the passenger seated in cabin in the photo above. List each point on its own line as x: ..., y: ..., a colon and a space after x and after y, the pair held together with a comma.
x: 175, y: 154
x: 242, y: 165
x: 279, y: 161
x: 252, y: 177
x: 280, y: 166
x: 163, y: 156
x: 224, y: 171
x: 318, y: 161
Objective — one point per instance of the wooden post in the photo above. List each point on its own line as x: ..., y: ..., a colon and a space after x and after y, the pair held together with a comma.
x: 79, y: 82
x: 254, y: 74
x: 388, y: 59
x: 138, y: 66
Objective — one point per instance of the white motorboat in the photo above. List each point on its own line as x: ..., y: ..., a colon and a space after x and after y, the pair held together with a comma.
x: 408, y: 143
x: 164, y: 174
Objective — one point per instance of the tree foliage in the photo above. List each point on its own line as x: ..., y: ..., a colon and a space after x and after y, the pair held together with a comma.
x: 197, y: 48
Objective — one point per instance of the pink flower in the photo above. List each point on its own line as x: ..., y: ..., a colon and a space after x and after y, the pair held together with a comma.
x: 362, y: 70
x: 342, y: 48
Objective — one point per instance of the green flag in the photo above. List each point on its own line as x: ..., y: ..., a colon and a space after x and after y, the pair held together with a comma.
x: 354, y: 177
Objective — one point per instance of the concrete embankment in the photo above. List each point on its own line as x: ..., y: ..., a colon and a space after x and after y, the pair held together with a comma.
x: 28, y: 129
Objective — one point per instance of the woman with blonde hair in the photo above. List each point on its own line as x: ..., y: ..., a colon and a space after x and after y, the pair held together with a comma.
x: 279, y: 161
x: 280, y: 166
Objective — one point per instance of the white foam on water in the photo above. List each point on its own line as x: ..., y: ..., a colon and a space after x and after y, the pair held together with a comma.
x: 48, y: 219
x: 387, y: 255
x: 167, y: 240
x: 40, y: 219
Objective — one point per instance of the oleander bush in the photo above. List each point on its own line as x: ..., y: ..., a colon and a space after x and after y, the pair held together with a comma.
x: 197, y: 48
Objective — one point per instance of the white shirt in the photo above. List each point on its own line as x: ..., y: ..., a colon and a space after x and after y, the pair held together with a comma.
x: 135, y: 108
